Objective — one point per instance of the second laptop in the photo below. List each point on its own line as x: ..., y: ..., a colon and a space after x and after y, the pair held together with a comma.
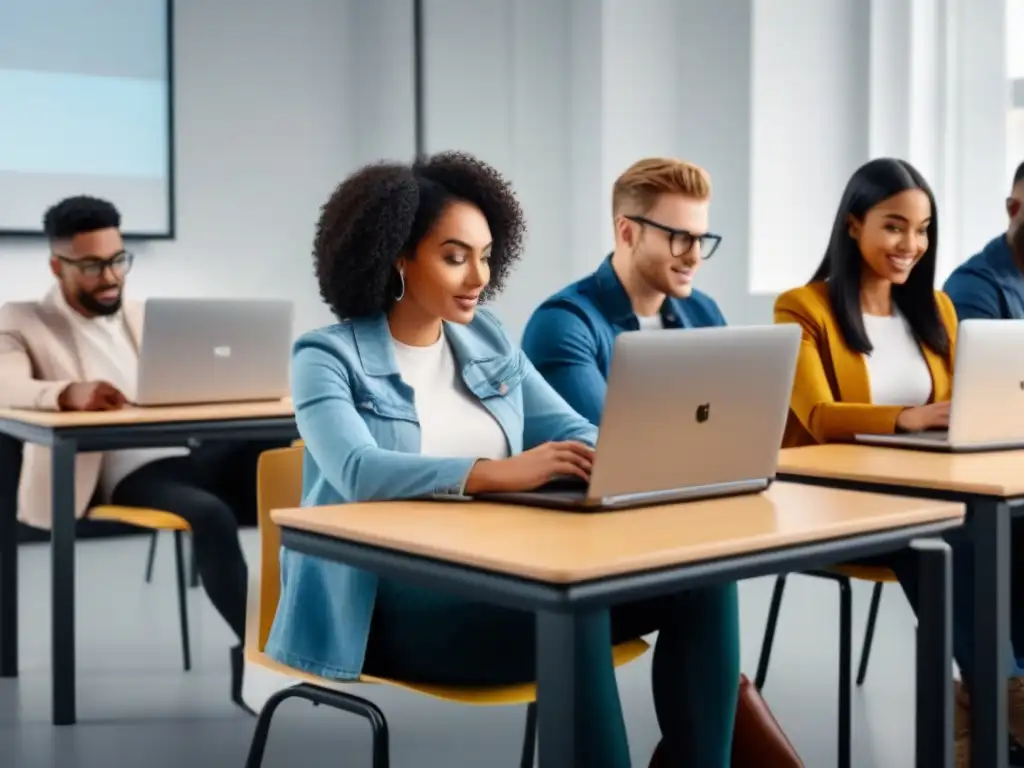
x: 690, y: 413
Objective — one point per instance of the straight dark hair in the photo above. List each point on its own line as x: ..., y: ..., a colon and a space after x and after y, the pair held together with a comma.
x: 843, y: 264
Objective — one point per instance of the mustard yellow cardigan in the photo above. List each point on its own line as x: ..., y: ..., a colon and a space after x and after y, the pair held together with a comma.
x: 831, y: 399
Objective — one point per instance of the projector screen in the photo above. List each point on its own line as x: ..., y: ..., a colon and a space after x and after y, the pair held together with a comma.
x: 86, y: 108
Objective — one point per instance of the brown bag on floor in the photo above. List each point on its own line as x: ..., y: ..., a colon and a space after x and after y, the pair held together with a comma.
x: 758, y: 741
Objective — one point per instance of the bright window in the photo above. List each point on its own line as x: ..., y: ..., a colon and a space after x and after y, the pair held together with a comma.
x: 1014, y: 33
x: 1015, y: 72
x: 1015, y: 139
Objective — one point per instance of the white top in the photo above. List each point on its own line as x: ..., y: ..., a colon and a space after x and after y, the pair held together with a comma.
x: 897, y: 369
x: 453, y: 422
x: 108, y: 353
x: 652, y: 323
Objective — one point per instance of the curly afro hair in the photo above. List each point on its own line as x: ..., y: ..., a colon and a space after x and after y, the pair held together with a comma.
x: 383, y: 210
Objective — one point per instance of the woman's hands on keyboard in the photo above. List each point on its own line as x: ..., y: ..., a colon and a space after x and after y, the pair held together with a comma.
x: 532, y: 469
x: 920, y: 418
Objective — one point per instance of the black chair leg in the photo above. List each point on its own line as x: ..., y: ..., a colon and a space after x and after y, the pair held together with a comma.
x: 193, y: 568
x: 845, y: 670
x: 869, y: 632
x: 151, y: 556
x: 845, y: 653
x: 179, y: 567
x: 769, y: 632
x: 343, y: 701
x: 530, y: 737
x: 845, y: 662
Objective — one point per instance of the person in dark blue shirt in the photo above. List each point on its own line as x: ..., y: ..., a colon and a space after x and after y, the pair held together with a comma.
x: 990, y: 284
x: 660, y: 211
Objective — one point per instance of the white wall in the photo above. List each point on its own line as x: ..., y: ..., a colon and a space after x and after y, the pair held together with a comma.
x: 809, y: 126
x: 1014, y: 26
x: 563, y: 95
x: 497, y: 85
x: 380, y: 64
x: 923, y: 80
x: 678, y: 82
x: 981, y: 93
x: 780, y: 101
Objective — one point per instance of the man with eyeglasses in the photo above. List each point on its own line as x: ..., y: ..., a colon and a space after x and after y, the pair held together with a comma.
x: 660, y: 216
x: 77, y: 350
x: 660, y: 210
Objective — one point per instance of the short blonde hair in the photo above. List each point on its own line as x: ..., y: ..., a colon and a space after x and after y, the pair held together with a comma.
x: 638, y: 188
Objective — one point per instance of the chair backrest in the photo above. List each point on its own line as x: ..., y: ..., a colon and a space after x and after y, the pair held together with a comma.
x: 278, y: 486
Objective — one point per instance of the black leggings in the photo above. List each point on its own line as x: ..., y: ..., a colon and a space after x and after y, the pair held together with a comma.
x: 182, y: 485
x: 228, y: 470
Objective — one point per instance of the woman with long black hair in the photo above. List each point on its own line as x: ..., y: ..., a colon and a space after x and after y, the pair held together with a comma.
x: 877, y: 358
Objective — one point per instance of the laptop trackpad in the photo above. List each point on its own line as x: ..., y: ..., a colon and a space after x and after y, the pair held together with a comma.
x: 561, y: 491
x: 938, y: 435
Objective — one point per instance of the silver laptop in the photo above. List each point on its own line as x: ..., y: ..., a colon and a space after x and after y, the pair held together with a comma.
x: 689, y: 414
x: 986, y: 411
x: 214, y: 351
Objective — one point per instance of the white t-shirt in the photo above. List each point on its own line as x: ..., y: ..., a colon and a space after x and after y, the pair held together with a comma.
x: 897, y: 369
x: 108, y: 353
x: 652, y: 323
x: 453, y: 422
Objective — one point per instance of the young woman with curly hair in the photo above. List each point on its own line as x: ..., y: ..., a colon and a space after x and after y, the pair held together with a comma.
x: 418, y: 392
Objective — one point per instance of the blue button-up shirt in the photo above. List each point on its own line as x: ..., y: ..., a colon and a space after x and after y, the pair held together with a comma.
x: 990, y: 284
x: 570, y: 336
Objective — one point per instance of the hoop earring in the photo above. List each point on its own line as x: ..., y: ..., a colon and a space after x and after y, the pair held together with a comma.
x: 401, y: 290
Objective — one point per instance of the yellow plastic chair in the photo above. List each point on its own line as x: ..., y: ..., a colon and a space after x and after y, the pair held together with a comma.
x: 279, y: 486
x: 157, y: 520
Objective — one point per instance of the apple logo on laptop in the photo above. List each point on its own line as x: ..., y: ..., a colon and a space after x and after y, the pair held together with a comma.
x: 703, y: 412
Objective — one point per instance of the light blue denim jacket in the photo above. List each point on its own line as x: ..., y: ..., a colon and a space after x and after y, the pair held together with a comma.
x: 362, y: 438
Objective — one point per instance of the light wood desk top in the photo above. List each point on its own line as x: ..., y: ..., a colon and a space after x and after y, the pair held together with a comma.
x: 993, y: 473
x: 566, y: 547
x: 267, y: 409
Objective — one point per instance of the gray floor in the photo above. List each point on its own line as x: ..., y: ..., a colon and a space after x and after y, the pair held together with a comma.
x: 137, y: 707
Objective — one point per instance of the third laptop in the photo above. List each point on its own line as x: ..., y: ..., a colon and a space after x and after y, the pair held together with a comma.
x: 986, y: 411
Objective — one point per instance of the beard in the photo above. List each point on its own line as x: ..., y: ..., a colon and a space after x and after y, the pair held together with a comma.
x: 100, y: 308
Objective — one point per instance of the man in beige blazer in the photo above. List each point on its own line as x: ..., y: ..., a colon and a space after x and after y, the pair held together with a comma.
x: 77, y: 350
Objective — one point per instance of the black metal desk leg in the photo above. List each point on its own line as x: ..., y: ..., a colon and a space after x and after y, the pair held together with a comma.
x: 990, y: 523
x: 10, y: 462
x: 558, y: 721
x: 934, y: 738
x: 62, y: 566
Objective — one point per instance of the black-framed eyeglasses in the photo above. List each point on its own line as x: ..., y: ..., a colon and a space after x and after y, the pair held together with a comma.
x: 681, y: 241
x: 94, y: 266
